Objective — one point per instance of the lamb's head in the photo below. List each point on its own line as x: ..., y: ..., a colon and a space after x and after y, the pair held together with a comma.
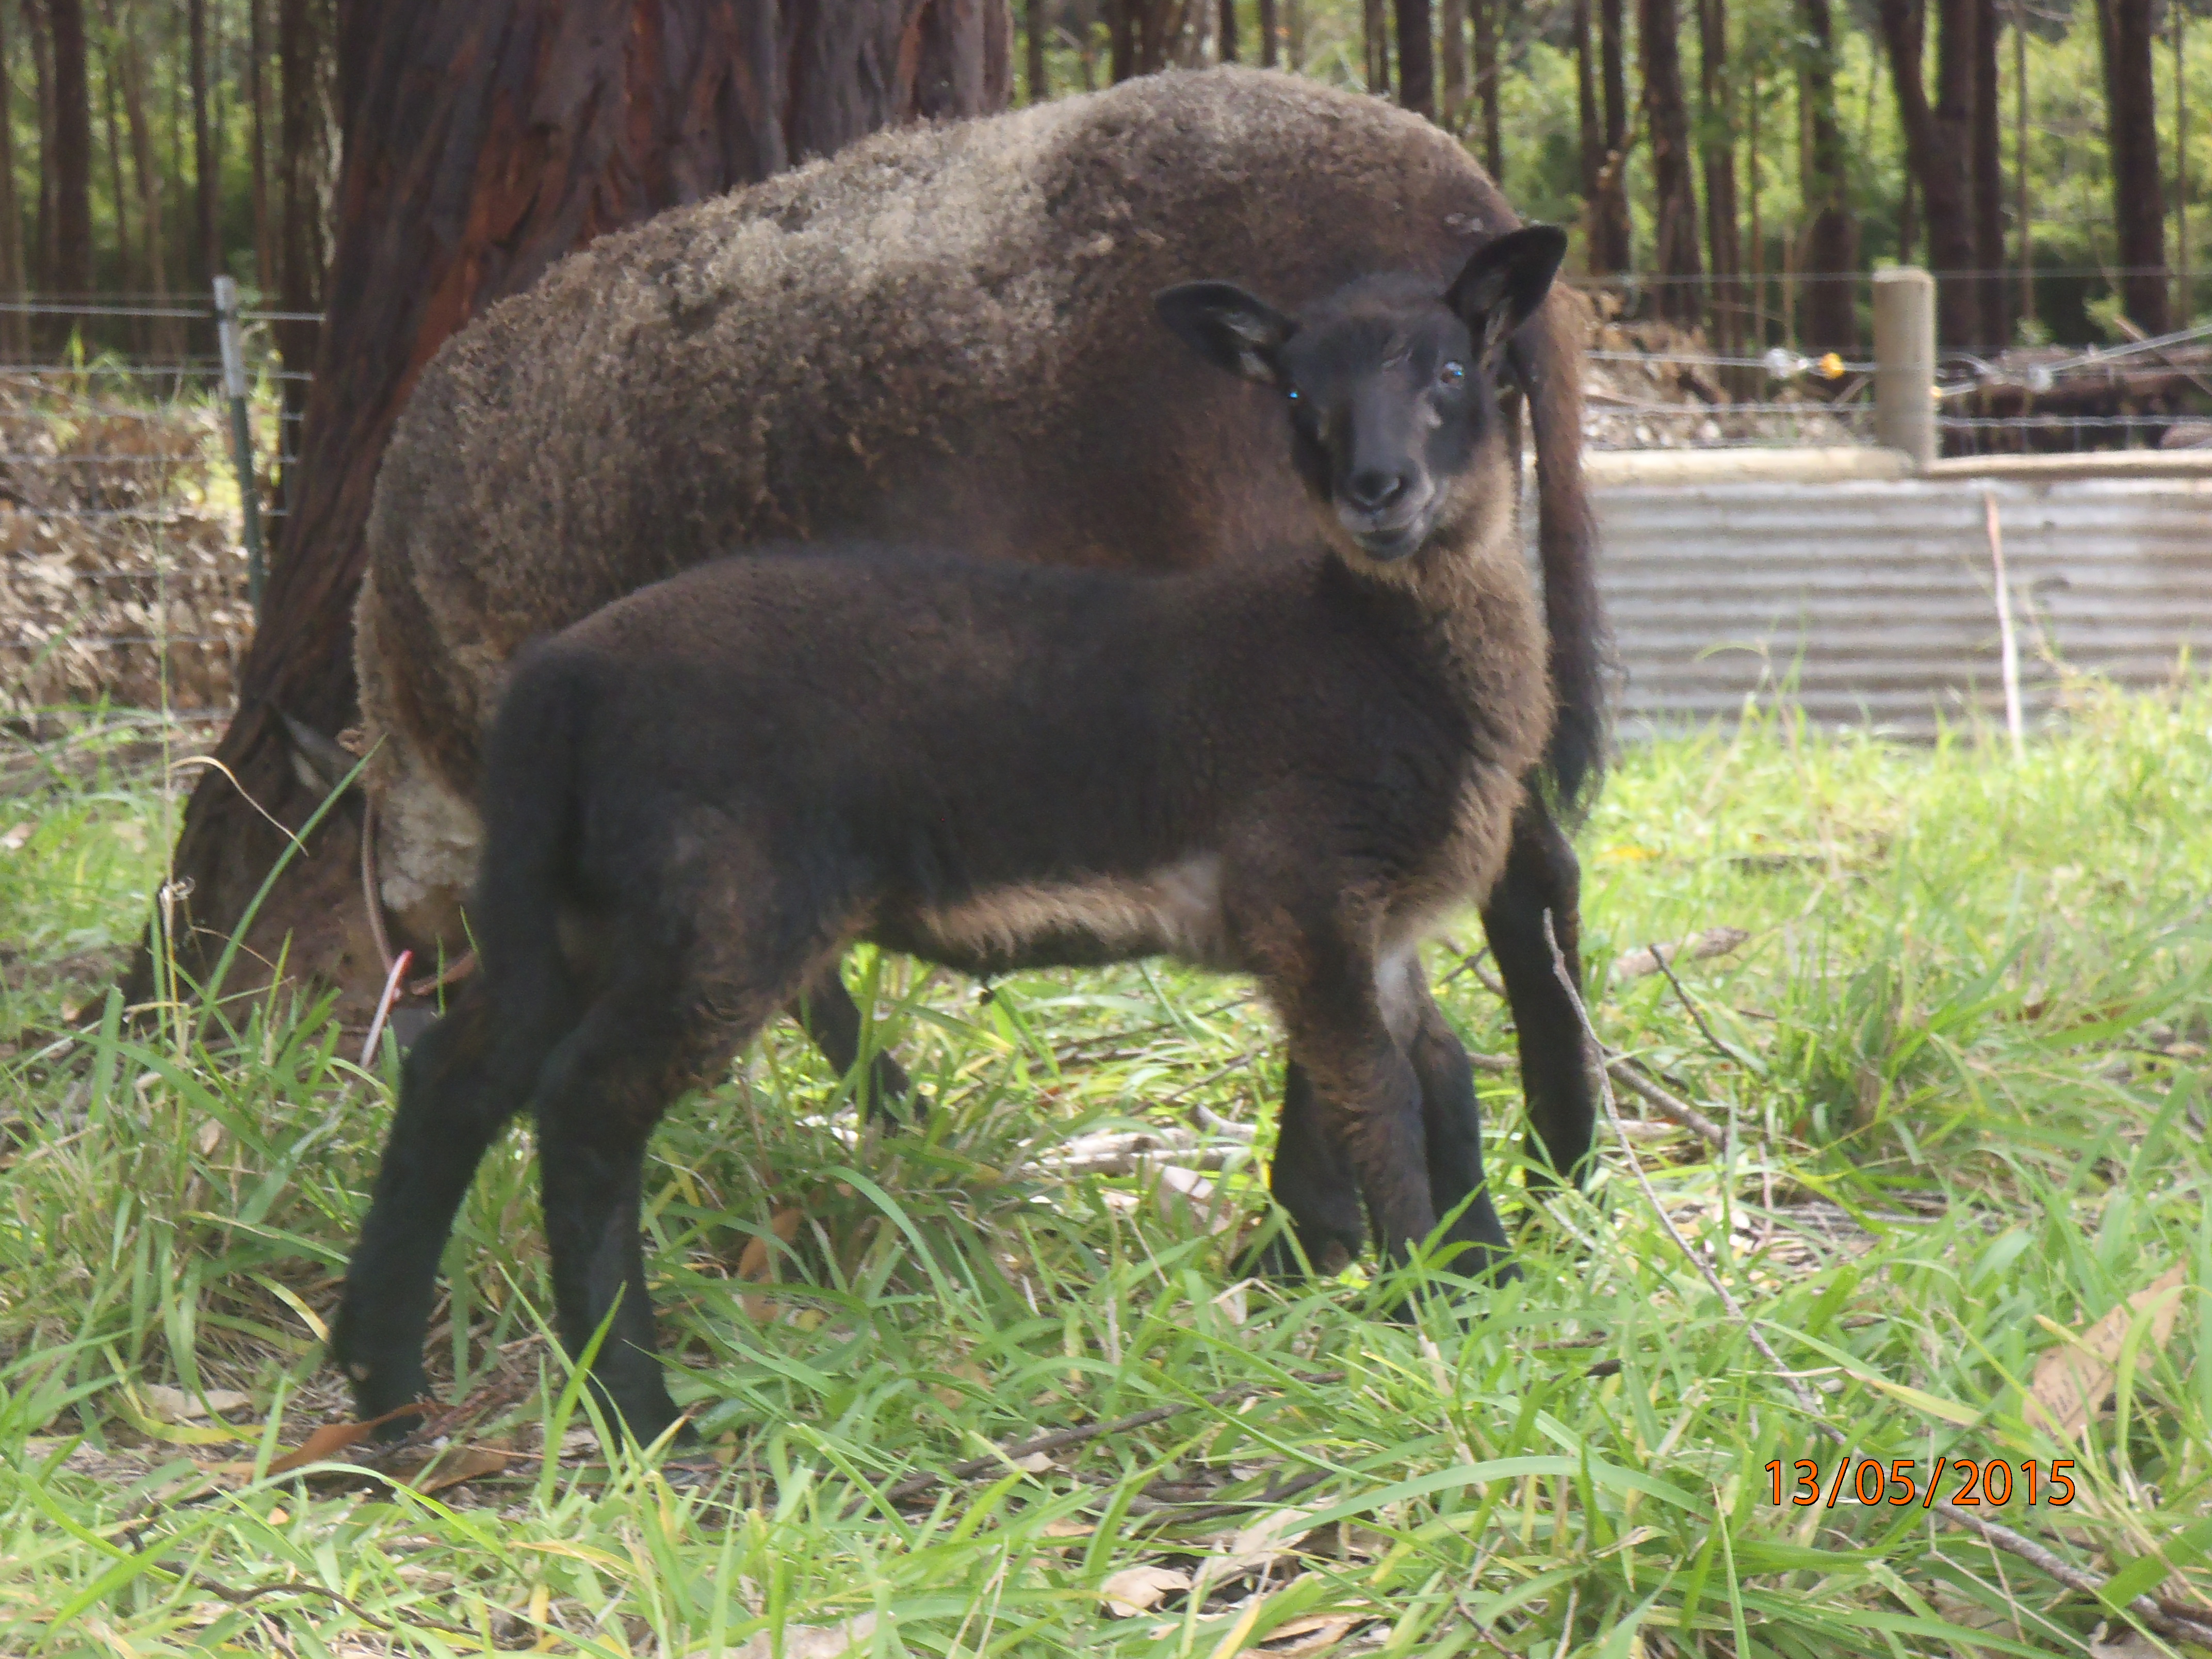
x: 1392, y: 389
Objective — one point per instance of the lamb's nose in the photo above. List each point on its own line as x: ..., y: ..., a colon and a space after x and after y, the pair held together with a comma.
x: 1373, y: 489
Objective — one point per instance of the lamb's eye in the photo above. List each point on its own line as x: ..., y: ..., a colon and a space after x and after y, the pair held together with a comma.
x: 1292, y: 394
x: 1451, y: 374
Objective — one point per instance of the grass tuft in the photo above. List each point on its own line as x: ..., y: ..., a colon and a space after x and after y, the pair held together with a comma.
x: 1959, y: 1055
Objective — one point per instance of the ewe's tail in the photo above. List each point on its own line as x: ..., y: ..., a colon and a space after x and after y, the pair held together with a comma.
x: 1548, y: 359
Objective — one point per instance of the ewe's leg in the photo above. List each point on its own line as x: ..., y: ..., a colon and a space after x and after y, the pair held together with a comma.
x: 826, y: 1009
x: 456, y: 1091
x: 1541, y: 875
x: 1452, y: 1122
x: 1313, y: 1181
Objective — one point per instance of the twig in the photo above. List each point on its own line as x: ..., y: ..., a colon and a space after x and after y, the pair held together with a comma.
x: 2181, y: 1624
x: 1059, y: 1439
x: 1669, y: 1104
x: 1174, y: 1515
x: 1696, y: 1014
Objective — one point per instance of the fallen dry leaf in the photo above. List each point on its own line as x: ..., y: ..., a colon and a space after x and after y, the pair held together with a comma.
x: 454, y: 1465
x: 1130, y: 1591
x: 1712, y: 942
x: 328, y: 1441
x: 177, y: 1405
x: 801, y: 1641
x: 756, y: 1265
x: 1256, y: 1545
x: 1302, y: 1639
x: 2072, y: 1380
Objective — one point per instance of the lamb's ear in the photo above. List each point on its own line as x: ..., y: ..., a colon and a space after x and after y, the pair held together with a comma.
x: 1229, y: 327
x: 1507, y: 279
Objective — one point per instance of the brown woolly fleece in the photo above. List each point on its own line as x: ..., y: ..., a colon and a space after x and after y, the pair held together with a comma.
x: 942, y: 334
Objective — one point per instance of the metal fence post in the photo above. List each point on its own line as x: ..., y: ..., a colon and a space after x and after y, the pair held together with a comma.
x: 241, y: 434
x: 1905, y: 362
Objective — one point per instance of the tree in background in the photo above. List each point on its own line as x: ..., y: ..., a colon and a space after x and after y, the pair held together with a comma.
x: 2125, y: 30
x: 1831, y: 232
x: 1716, y: 147
x: 1673, y: 198
x: 1935, y: 142
x: 1609, y: 246
x: 483, y: 139
x: 1417, y: 73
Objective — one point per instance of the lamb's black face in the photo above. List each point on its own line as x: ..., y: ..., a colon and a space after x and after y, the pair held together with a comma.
x: 1391, y: 385
x: 1389, y: 402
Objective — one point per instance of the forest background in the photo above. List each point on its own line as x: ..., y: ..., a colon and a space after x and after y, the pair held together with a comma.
x: 1738, y: 164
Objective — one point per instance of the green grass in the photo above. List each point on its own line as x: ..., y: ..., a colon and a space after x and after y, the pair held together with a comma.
x: 1961, y: 1049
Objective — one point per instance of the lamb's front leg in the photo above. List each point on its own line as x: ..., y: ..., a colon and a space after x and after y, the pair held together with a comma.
x: 1364, y: 1085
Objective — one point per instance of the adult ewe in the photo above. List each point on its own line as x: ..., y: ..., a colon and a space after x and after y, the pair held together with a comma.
x: 943, y: 330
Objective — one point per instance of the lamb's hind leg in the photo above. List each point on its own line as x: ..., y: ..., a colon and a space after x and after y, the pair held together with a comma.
x: 826, y: 1009
x: 1312, y: 1179
x: 1451, y: 1121
x: 459, y: 1087
x: 668, y: 1020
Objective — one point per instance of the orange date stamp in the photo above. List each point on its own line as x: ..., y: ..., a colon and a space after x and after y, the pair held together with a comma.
x: 1896, y: 1482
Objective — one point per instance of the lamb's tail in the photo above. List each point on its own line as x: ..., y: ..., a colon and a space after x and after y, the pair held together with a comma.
x: 533, y: 813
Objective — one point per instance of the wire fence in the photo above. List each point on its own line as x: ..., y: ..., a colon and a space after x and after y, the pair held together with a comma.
x: 127, y: 568
x: 1656, y: 382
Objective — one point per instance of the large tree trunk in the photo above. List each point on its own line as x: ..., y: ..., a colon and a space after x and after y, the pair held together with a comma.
x: 1831, y: 234
x: 483, y: 139
x: 70, y: 273
x: 1268, y: 54
x: 1935, y: 144
x: 2124, y: 26
x: 1988, y: 178
x: 1609, y: 248
x: 1226, y: 34
x: 1417, y: 67
x: 1717, y: 106
x: 1674, y: 198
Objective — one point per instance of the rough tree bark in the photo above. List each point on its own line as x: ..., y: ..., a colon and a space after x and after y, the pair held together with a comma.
x: 1609, y: 246
x: 1226, y: 34
x: 1268, y: 46
x: 1417, y: 61
x: 1674, y: 256
x: 1935, y: 146
x: 2125, y: 29
x: 483, y: 139
x: 1830, y: 316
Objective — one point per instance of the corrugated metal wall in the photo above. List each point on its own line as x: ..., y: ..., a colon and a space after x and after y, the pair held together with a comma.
x: 1873, y: 599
